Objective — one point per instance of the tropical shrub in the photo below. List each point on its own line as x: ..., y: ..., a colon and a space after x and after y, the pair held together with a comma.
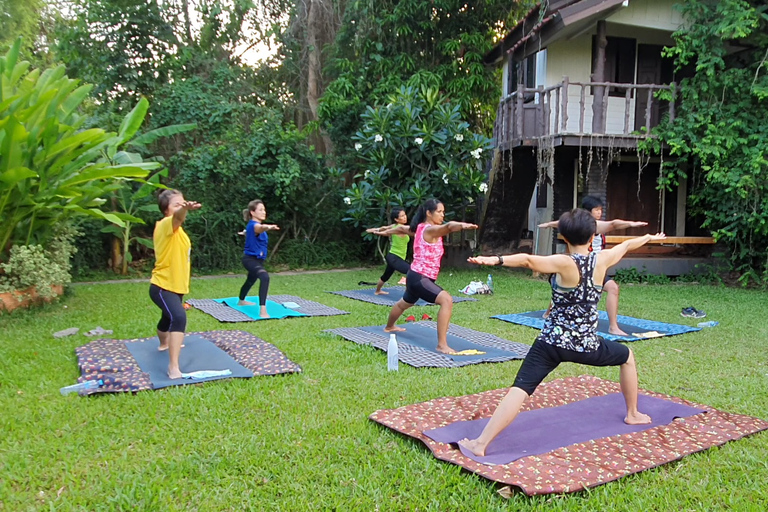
x: 415, y: 147
x: 719, y: 138
x: 50, y: 169
x: 38, y: 267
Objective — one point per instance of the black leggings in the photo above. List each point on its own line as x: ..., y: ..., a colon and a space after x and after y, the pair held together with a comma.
x: 419, y: 286
x: 255, y: 268
x: 174, y: 317
x: 394, y: 262
x: 543, y: 357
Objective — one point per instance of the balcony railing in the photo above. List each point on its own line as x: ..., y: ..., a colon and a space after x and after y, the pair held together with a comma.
x: 565, y: 109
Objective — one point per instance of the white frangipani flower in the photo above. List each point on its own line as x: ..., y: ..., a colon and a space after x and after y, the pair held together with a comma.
x: 445, y: 178
x: 418, y: 140
x: 476, y: 153
x: 378, y: 138
x: 483, y: 187
x: 358, y: 146
x: 458, y: 137
x: 347, y: 200
x: 367, y: 172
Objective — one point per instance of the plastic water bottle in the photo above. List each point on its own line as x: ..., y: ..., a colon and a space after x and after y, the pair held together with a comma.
x: 392, y: 353
x: 490, y: 283
x: 711, y: 323
x: 81, y: 387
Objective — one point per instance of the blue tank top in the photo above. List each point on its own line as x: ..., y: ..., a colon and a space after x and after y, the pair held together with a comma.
x: 255, y: 245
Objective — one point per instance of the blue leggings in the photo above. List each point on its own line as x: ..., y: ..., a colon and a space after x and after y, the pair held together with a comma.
x: 174, y: 317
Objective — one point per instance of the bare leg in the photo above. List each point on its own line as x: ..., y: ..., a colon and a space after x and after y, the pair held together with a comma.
x: 397, y: 311
x: 612, y: 307
x: 628, y: 381
x: 174, y: 349
x: 163, y: 337
x: 445, y: 301
x: 378, y: 289
x: 263, y: 312
x: 504, y: 414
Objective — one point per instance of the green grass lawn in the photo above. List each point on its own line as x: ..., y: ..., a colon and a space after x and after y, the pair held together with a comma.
x: 304, y: 441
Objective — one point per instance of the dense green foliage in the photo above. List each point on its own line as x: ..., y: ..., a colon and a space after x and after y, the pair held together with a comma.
x: 415, y: 147
x: 384, y: 45
x: 721, y: 126
x: 50, y: 168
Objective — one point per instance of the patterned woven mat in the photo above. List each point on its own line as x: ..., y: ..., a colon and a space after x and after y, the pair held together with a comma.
x: 421, y: 357
x: 578, y: 466
x: 395, y: 293
x: 224, y: 313
x: 110, y: 360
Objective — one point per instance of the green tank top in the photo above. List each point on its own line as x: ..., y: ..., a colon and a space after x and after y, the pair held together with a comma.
x: 399, y: 245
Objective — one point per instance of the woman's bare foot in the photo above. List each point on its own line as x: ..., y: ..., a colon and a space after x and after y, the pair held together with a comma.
x: 637, y: 418
x: 263, y: 312
x: 617, y: 332
x: 394, y: 328
x: 245, y: 303
x: 380, y: 292
x: 174, y: 374
x: 446, y: 350
x: 163, y: 348
x: 473, y: 446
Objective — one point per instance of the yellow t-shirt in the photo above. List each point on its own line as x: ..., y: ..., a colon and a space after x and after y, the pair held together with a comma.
x: 172, y: 250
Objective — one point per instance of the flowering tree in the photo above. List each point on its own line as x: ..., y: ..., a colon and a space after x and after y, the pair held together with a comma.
x: 414, y: 148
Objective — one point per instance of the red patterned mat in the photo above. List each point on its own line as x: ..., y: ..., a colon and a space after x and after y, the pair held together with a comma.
x: 578, y: 466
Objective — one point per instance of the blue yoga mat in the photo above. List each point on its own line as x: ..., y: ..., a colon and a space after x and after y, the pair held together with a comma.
x: 627, y: 324
x: 426, y: 338
x: 198, y: 354
x: 549, y: 428
x: 274, y: 309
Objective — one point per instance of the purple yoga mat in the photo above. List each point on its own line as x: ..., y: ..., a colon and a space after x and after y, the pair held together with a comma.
x: 543, y: 430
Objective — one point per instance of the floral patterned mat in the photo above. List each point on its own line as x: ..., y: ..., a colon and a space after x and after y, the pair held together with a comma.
x: 578, y: 466
x: 110, y: 360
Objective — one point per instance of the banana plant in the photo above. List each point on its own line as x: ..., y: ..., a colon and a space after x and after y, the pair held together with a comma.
x: 52, y: 169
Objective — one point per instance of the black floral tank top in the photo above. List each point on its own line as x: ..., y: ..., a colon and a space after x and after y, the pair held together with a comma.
x: 572, y: 321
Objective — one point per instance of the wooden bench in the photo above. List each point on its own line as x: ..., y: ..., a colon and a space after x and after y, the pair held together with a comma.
x: 670, y: 245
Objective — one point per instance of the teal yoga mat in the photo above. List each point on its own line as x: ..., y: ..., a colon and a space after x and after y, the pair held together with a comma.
x: 274, y: 309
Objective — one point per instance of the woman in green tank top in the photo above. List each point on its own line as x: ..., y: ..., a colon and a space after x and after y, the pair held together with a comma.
x: 398, y: 249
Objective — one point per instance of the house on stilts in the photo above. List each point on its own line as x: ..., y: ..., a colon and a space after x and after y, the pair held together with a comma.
x: 579, y: 87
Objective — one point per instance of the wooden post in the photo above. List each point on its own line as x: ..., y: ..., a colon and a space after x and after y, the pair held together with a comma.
x: 540, y: 110
x: 627, y: 101
x: 547, y: 113
x: 555, y: 123
x: 519, y: 111
x: 565, y: 105
x: 648, y: 110
x: 598, y: 122
x: 582, y: 109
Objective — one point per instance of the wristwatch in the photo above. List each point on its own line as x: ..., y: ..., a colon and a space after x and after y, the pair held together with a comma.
x: 501, y: 259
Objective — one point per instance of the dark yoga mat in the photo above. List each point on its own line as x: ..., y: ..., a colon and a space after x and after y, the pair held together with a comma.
x: 543, y: 430
x: 627, y: 324
x: 198, y: 354
x: 426, y: 338
x: 394, y: 295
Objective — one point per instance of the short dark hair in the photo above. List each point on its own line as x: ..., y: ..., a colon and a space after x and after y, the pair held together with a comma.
x: 589, y: 203
x: 164, y: 199
x: 577, y: 226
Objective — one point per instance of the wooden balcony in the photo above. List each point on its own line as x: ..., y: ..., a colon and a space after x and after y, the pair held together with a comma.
x: 570, y: 111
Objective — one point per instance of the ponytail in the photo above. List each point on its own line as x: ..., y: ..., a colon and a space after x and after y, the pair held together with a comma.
x: 430, y: 205
x: 395, y: 213
x: 251, y: 207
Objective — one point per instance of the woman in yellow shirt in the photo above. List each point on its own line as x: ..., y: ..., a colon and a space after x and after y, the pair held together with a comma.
x: 170, y: 277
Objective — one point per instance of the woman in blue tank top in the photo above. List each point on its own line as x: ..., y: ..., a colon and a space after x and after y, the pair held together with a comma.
x: 255, y: 253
